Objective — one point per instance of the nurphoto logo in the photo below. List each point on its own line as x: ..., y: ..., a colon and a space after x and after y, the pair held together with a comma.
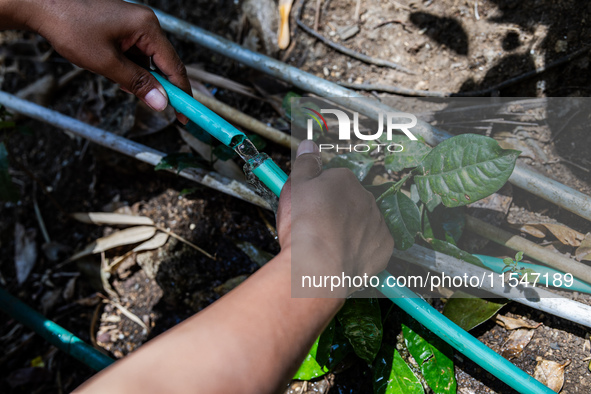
x: 387, y: 124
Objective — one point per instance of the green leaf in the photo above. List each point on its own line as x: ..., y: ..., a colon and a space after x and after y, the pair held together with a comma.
x: 187, y: 191
x: 7, y: 124
x: 414, y: 194
x: 434, y: 357
x: 464, y: 169
x: 358, y: 163
x: 391, y: 374
x: 402, y: 217
x: 310, y: 368
x: 433, y: 203
x: 454, y: 251
x: 410, y: 157
x: 180, y: 161
x: 427, y: 228
x: 378, y: 190
x: 518, y: 257
x: 8, y: 191
x: 329, y: 349
x: 291, y: 98
x: 325, y: 344
x: 362, y: 325
x: 339, y: 349
x: 468, y: 311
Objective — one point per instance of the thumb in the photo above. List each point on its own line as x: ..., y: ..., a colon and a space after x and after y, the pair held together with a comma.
x: 139, y: 82
x: 308, y: 164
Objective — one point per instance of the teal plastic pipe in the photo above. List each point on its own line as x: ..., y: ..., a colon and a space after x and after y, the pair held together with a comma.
x: 53, y: 333
x: 268, y: 172
x: 200, y: 114
x: 274, y: 178
x: 463, y: 342
x: 498, y: 265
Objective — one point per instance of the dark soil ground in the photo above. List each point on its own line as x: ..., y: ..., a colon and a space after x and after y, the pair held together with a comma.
x: 451, y: 45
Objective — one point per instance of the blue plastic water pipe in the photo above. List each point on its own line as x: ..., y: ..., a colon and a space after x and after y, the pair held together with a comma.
x: 274, y: 178
x: 545, y: 278
x: 53, y: 333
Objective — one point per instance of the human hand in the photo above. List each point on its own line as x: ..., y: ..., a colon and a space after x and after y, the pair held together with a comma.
x: 95, y: 35
x: 327, y: 217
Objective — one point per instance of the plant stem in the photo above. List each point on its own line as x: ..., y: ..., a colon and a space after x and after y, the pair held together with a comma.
x: 395, y: 188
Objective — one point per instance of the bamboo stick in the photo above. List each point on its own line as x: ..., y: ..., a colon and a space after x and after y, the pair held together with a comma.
x: 232, y: 115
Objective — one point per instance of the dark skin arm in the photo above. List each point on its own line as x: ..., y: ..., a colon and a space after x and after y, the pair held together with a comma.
x: 253, y: 339
x: 96, y: 35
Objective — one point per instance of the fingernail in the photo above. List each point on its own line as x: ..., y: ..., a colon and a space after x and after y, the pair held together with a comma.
x: 156, y: 100
x: 307, y: 146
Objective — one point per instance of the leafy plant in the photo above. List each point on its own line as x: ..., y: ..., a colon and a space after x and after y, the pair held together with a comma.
x: 433, y: 355
x: 513, y: 267
x: 457, y: 172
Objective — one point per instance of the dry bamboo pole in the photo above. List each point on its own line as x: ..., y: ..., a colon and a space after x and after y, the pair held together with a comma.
x: 529, y: 248
x: 234, y: 116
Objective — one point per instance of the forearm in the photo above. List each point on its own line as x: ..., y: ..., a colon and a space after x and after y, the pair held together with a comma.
x: 250, y: 341
x: 17, y: 14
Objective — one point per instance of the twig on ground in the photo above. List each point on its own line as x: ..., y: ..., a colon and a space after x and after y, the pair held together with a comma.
x: 563, y: 160
x: 317, y: 15
x: 357, y: 11
x: 40, y: 218
x: 564, y: 125
x: 388, y: 22
x: 378, y: 87
x: 399, y: 5
x: 111, y: 267
x: 129, y: 314
x: 184, y: 240
x: 68, y: 77
x: 350, y: 52
x: 304, y: 387
x: 474, y: 93
x: 105, y: 279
